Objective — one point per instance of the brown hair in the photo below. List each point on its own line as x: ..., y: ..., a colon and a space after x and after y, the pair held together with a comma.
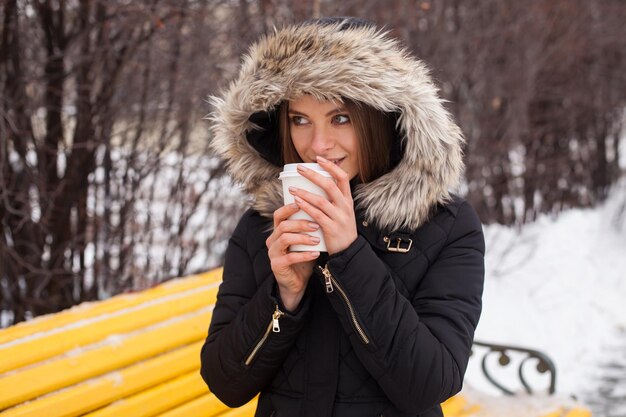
x: 374, y: 130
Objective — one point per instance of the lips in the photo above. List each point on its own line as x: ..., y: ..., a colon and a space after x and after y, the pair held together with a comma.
x: 336, y: 161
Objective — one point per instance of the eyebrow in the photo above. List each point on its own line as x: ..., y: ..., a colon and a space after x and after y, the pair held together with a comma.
x: 333, y: 111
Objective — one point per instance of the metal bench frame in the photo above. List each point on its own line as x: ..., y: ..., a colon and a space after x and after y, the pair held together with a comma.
x: 543, y: 364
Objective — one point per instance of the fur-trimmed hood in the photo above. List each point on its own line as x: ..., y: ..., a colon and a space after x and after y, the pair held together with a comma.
x: 333, y: 62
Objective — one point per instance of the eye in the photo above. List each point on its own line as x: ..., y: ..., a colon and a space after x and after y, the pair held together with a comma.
x: 341, y: 119
x: 298, y: 120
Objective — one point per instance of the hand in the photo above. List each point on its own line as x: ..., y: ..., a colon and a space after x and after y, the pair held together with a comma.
x: 336, y: 215
x: 292, y: 270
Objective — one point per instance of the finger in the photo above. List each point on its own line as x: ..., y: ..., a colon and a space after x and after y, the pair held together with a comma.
x: 315, y: 200
x: 296, y: 226
x: 341, y: 176
x: 293, y: 258
x: 291, y: 226
x: 281, y: 245
x: 318, y: 215
x: 284, y: 212
x: 280, y: 215
x: 325, y: 183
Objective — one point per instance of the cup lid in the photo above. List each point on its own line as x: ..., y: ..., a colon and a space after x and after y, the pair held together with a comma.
x: 292, y: 169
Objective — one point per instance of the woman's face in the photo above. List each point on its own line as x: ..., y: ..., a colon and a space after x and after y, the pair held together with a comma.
x: 324, y: 128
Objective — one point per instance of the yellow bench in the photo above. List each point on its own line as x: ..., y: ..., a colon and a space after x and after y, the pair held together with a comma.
x: 131, y: 355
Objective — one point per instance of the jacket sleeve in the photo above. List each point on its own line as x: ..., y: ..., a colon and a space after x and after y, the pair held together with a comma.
x: 241, y: 327
x: 416, y: 349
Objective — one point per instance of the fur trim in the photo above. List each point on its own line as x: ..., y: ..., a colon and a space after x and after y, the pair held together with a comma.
x: 361, y: 64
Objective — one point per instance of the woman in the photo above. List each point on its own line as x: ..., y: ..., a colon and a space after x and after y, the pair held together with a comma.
x: 382, y: 324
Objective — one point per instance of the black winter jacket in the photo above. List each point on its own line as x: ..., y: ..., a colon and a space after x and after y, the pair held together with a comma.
x: 389, y: 335
x: 385, y: 326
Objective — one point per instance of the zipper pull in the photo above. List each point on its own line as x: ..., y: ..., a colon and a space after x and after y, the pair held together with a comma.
x: 327, y: 278
x: 275, y: 316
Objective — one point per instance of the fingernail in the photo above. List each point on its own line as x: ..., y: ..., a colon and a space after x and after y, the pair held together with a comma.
x: 293, y: 190
x: 294, y: 206
x: 315, y: 239
x: 298, y: 199
x: 320, y: 159
x: 302, y: 168
x: 314, y: 226
x: 315, y: 254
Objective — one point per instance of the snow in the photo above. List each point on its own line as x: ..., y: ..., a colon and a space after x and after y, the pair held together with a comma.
x: 558, y: 285
x: 522, y: 405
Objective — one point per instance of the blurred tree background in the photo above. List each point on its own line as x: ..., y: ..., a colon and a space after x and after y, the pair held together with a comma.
x: 106, y: 182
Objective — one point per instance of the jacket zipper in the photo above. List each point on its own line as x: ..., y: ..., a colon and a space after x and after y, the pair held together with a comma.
x: 331, y: 283
x: 274, y: 327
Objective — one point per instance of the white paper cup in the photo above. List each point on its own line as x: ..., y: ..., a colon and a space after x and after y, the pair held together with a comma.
x: 291, y: 178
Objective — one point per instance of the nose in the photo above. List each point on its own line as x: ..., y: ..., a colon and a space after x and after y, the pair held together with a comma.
x: 322, y: 140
